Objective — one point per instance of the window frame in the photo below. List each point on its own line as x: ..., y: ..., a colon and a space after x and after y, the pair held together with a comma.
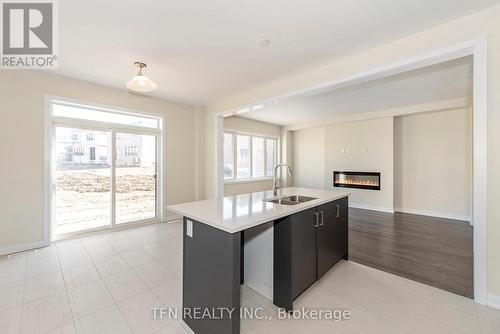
x: 52, y: 121
x: 97, y: 124
x: 234, y: 134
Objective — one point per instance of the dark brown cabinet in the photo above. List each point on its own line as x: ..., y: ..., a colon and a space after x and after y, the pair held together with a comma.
x: 332, y: 234
x: 304, y: 253
x: 306, y: 245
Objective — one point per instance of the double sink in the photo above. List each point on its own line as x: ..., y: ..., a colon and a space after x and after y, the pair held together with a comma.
x: 290, y: 200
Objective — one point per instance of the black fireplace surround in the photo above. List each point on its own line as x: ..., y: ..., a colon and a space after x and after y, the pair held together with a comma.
x: 359, y: 180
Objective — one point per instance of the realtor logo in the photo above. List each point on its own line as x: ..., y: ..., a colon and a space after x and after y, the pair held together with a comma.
x: 28, y: 34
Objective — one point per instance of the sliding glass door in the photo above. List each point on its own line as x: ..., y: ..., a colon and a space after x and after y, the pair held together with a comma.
x: 82, y: 179
x: 106, y: 169
x: 135, y: 176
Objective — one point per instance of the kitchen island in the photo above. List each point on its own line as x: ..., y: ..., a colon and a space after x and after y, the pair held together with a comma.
x: 308, y: 229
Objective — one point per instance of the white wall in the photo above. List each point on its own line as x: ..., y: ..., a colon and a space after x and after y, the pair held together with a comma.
x: 365, y: 146
x: 433, y: 164
x: 309, y: 158
x: 22, y: 96
x: 425, y: 161
x: 237, y: 123
x: 355, y: 146
x: 231, y: 189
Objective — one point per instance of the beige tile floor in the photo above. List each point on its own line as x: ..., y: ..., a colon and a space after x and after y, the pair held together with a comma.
x: 107, y: 283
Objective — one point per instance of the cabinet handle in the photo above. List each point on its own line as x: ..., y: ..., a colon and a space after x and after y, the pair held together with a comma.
x: 316, y: 219
x: 338, y: 211
x: 321, y: 222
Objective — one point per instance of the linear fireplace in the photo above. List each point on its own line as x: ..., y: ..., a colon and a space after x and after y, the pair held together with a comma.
x: 360, y: 180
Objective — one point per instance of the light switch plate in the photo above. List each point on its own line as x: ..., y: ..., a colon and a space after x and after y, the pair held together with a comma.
x: 189, y: 228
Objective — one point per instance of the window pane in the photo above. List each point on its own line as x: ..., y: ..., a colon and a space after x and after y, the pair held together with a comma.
x: 271, y: 156
x: 243, y: 156
x: 135, y: 179
x: 82, y: 180
x: 258, y: 157
x: 228, y: 156
x: 103, y: 116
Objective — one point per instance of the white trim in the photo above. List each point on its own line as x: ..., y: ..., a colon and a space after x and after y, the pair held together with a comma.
x: 102, y: 107
x: 250, y: 157
x: 219, y: 156
x: 494, y: 301
x: 108, y: 228
x: 47, y: 172
x: 6, y: 250
x: 370, y: 207
x: 433, y: 214
x: 49, y: 157
x: 85, y: 123
x: 480, y: 169
x: 250, y: 133
x: 199, y: 158
x: 112, y: 207
x: 476, y: 48
x: 98, y: 231
x: 251, y: 136
x: 161, y: 162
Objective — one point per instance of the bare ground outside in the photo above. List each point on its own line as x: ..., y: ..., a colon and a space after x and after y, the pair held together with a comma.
x: 83, y: 197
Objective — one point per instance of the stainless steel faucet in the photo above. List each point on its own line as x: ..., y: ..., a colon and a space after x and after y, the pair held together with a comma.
x: 276, y: 184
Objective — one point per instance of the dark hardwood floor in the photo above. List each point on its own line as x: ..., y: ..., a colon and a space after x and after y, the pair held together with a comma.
x: 430, y: 250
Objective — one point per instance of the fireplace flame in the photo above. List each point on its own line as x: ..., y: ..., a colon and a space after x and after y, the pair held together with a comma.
x: 355, y: 181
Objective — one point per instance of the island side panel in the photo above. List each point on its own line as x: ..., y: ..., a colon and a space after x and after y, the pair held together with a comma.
x: 282, y: 275
x: 211, y: 278
x: 345, y: 221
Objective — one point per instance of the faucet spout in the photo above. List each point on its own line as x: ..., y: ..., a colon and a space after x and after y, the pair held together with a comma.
x: 276, y: 184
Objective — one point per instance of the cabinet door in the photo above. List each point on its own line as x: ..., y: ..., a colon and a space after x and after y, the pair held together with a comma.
x: 332, y: 234
x: 304, y: 248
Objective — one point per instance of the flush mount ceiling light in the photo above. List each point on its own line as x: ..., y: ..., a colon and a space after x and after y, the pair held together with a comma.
x: 140, y: 83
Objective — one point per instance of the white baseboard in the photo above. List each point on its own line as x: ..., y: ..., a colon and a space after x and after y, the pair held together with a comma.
x: 369, y: 207
x: 434, y: 214
x: 22, y: 248
x: 494, y: 301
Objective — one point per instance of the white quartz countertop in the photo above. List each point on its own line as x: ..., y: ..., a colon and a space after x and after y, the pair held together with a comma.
x: 237, y: 213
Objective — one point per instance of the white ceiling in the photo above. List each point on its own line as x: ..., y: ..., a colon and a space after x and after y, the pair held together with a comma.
x: 445, y: 81
x: 201, y: 51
